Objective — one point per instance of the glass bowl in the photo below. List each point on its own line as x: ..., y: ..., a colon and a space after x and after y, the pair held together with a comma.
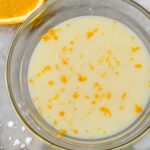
x: 29, y: 34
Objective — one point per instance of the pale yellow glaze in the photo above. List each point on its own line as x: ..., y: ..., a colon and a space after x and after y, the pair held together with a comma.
x: 89, y: 77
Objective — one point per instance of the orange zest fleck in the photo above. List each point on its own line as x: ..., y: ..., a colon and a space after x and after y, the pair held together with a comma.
x: 38, y: 75
x: 76, y: 95
x: 91, y: 33
x: 51, y: 82
x: 71, y: 68
x: 51, y: 34
x: 46, y: 69
x: 64, y: 48
x: 117, y: 61
x: 31, y: 81
x: 135, y: 49
x: 65, y: 61
x: 106, y: 111
x: 138, y: 66
x: 87, y: 97
x: 103, y: 74
x: 75, y: 131
x: 81, y: 78
x: 49, y: 106
x: 121, y: 107
x: 75, y: 108
x: 63, y: 78
x: 56, y: 96
x: 138, y: 108
x: 109, y: 52
x: 62, y: 113
x: 63, y: 89
x: 94, y: 102
x: 72, y: 42
x: 96, y: 96
x: 91, y: 67
x: 67, y: 49
x: 98, y: 86
x: 124, y: 95
x: 109, y: 95
x: 57, y: 66
x: 70, y: 49
x: 63, y: 131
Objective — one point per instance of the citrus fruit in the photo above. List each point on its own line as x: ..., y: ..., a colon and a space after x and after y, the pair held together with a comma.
x: 16, y: 11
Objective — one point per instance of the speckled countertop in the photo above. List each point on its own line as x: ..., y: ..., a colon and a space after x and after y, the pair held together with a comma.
x: 13, y: 136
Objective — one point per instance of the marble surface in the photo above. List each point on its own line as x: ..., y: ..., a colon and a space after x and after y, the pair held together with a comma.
x: 13, y: 136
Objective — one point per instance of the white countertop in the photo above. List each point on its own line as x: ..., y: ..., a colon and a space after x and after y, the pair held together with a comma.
x: 13, y: 136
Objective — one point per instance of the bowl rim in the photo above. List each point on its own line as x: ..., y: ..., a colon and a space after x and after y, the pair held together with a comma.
x: 9, y: 57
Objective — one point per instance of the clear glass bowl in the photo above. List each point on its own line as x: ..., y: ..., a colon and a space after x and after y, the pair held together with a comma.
x: 50, y: 14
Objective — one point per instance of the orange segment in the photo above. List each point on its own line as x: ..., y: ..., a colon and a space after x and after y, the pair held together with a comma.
x: 16, y: 11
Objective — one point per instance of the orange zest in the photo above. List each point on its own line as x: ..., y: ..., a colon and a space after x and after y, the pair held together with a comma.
x: 46, y: 69
x: 91, y: 67
x: 49, y: 106
x: 138, y: 108
x: 91, y: 33
x: 51, y: 34
x: 135, y: 49
x: 106, y: 111
x: 31, y: 81
x: 51, y: 82
x: 63, y: 131
x: 38, y: 75
x: 62, y: 113
x: 124, y: 95
x: 63, y: 78
x: 81, y: 78
x: 98, y: 86
x: 75, y: 131
x: 65, y: 61
x: 138, y: 66
x: 109, y: 95
x: 75, y: 95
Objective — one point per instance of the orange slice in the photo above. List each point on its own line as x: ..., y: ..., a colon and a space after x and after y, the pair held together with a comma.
x: 16, y: 11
